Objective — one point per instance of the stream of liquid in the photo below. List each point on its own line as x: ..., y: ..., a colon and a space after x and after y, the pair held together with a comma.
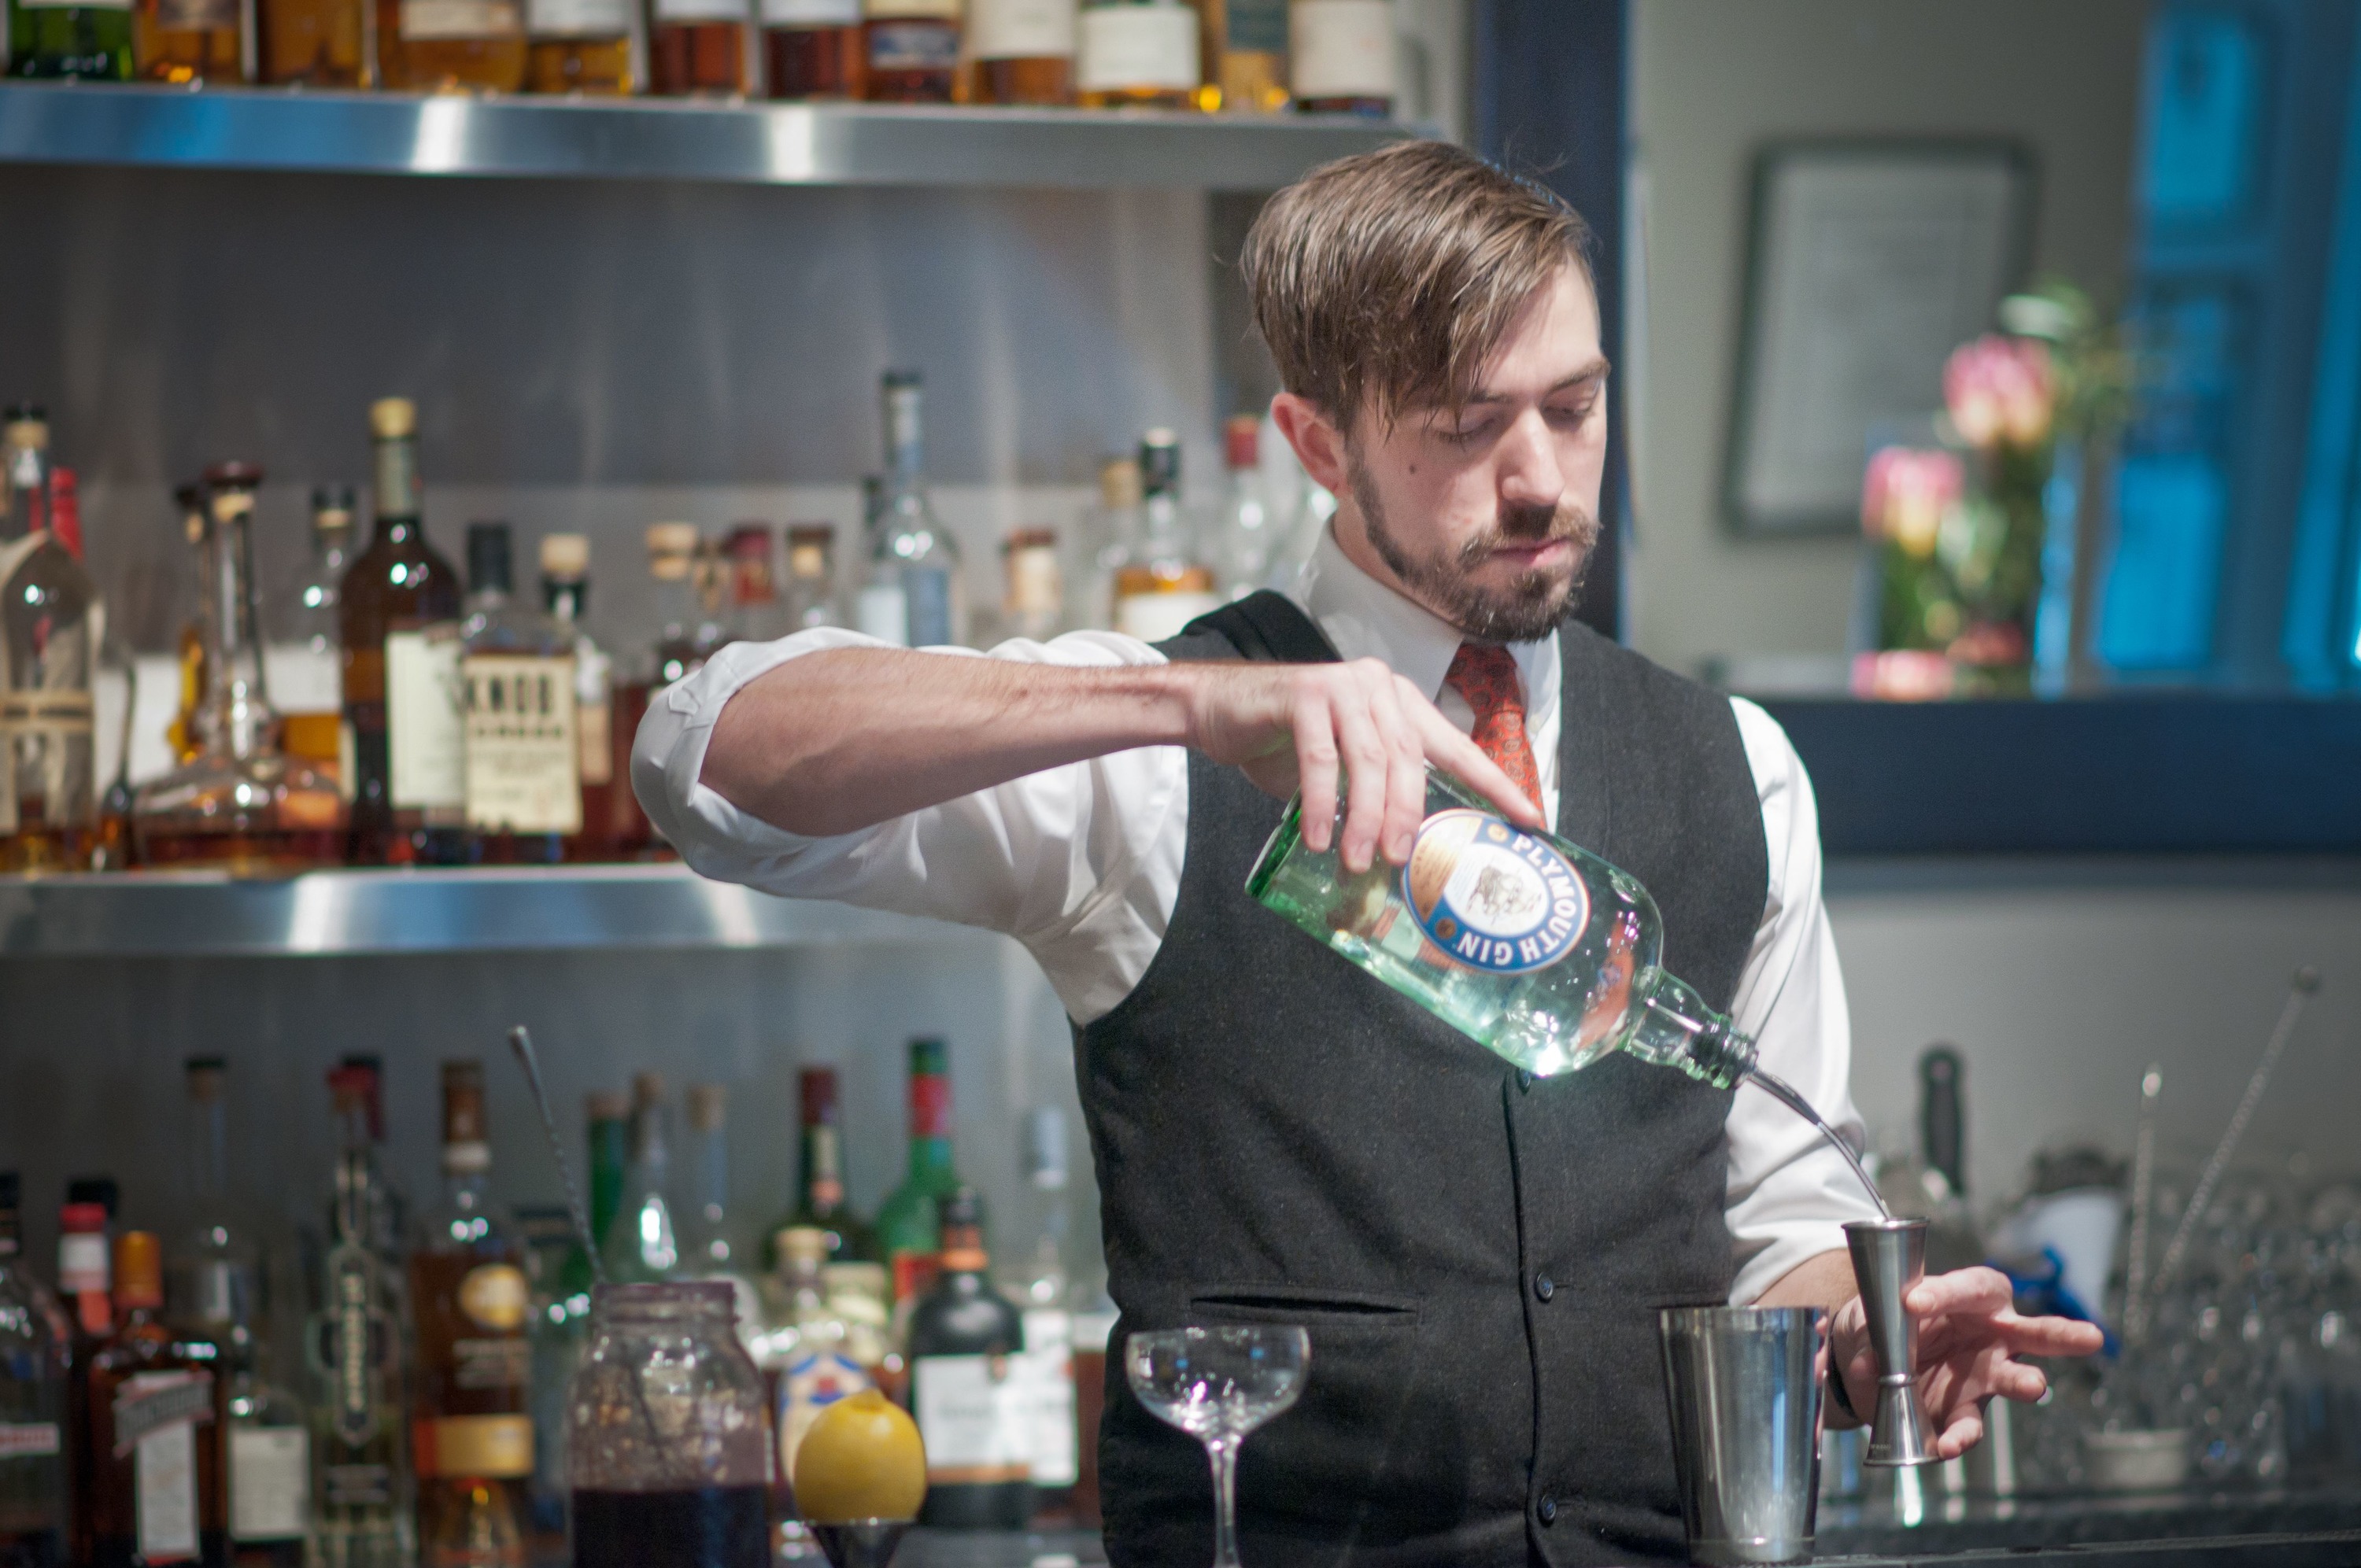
x: 1777, y: 1090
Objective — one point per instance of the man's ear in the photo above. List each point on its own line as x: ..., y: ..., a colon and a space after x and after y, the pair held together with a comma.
x: 1319, y: 444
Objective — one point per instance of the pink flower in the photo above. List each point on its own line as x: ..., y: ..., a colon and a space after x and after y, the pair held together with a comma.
x: 1905, y: 493
x: 2000, y: 390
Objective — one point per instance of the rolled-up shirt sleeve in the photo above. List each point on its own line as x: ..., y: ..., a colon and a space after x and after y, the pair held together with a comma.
x: 1789, y: 1192
x: 1077, y: 863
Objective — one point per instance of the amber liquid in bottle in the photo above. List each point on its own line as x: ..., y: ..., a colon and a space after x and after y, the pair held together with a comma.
x: 158, y: 1392
x: 697, y: 59
x: 1245, y: 51
x: 814, y: 62
x: 595, y: 67
x: 49, y: 621
x: 314, y: 43
x: 189, y: 41
x: 400, y: 585
x: 451, y: 46
x: 909, y: 59
x: 1041, y: 80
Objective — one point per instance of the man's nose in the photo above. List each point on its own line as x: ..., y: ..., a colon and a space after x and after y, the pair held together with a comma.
x: 1528, y: 471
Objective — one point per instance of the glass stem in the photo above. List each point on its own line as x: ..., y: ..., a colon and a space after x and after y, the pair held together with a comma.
x: 1224, y: 1452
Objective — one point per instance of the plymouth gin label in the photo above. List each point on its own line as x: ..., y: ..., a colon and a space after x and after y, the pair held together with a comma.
x: 1526, y: 943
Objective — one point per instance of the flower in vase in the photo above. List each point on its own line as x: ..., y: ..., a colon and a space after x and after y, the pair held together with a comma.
x: 2001, y: 391
x: 1906, y: 494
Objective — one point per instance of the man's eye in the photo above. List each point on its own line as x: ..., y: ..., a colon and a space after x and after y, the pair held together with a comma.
x: 1573, y: 416
x: 1465, y: 434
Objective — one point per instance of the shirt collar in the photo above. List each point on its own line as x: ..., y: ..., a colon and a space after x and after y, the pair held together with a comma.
x: 1367, y: 619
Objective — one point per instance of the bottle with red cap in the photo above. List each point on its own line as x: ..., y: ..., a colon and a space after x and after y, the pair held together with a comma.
x: 153, y: 1443
x: 820, y: 1200
x: 48, y: 793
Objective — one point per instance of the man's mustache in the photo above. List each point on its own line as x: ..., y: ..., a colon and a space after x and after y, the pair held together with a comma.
x: 1533, y: 525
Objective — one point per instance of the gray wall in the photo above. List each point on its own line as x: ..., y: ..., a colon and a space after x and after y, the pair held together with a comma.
x: 1711, y: 82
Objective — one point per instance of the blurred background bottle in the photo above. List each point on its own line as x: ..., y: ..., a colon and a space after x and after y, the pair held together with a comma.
x: 524, y: 749
x: 1245, y: 48
x: 811, y: 590
x: 580, y: 47
x: 1165, y: 585
x: 1023, y: 50
x: 1137, y: 54
x: 35, y: 1367
x: 303, y: 660
x: 642, y: 1241
x: 909, y: 1226
x: 813, y: 49
x: 698, y: 48
x: 910, y: 50
x: 971, y: 1391
x: 1343, y: 59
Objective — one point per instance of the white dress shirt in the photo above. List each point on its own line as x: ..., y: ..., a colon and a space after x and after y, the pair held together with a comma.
x: 1081, y: 864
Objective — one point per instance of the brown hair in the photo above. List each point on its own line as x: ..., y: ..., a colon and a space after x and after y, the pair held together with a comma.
x: 1390, y: 276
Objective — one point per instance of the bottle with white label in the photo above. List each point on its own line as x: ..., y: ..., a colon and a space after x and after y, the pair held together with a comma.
x: 1343, y: 56
x: 36, y: 1363
x: 451, y: 46
x: 974, y: 1389
x: 1165, y: 586
x: 1138, y: 54
x: 564, y: 591
x: 910, y: 50
x: 914, y: 597
x: 1023, y: 50
x: 524, y: 745
x: 152, y: 1446
x: 400, y: 610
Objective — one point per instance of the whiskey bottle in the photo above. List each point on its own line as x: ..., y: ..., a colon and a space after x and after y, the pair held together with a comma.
x: 1138, y: 54
x: 812, y: 48
x: 190, y: 43
x: 698, y: 48
x: 523, y: 747
x: 86, y: 1283
x: 821, y: 1204
x: 1023, y: 50
x: 910, y: 1225
x: 50, y: 628
x: 914, y: 597
x: 811, y: 577
x: 1033, y: 604
x: 240, y: 804
x: 400, y: 612
x: 81, y: 40
x: 810, y: 1344
x: 642, y: 1242
x: 157, y: 1406
x: 451, y: 46
x: 565, y: 594
x: 972, y: 1385
x: 1164, y: 586
x: 360, y: 1482
x: 471, y: 1426
x: 1245, y: 48
x: 910, y: 50
x: 755, y: 613
x: 581, y: 47
x: 304, y: 663
x: 35, y: 1370
x: 1343, y: 57
x: 689, y: 634
x: 316, y: 43
x: 1521, y: 940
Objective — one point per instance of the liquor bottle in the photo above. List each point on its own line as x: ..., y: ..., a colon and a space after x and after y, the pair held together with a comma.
x: 156, y: 1404
x: 1034, y: 603
x: 190, y: 43
x: 1522, y: 940
x: 565, y: 594
x: 1343, y: 56
x: 65, y: 509
x: 86, y: 1281
x: 35, y: 1370
x: 914, y: 597
x: 1112, y: 534
x: 1245, y: 48
x: 451, y: 46
x: 304, y: 663
x: 1245, y: 538
x: 642, y: 1242
x: 969, y: 1385
x: 581, y: 47
x: 1024, y: 50
x: 811, y: 577
x: 559, y: 1274
x: 709, y: 1250
x: 360, y: 1483
x: 49, y: 758
x: 471, y: 1422
x: 84, y: 40
x: 821, y: 1202
x: 698, y: 48
x: 813, y: 49
x: 316, y: 43
x: 240, y: 804
x: 400, y: 613
x: 909, y: 1226
x: 607, y: 1117
x: 1138, y: 54
x: 689, y: 635
x: 910, y: 50
x: 809, y: 1340
x: 1165, y: 586
x: 524, y: 749
x: 755, y: 613
x: 362, y: 1075
x: 1039, y: 1283
x: 195, y: 514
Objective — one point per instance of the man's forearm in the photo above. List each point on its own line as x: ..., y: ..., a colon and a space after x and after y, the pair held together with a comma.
x: 847, y: 738
x: 1824, y: 1279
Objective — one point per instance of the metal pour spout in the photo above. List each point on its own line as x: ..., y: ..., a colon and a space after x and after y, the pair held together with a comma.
x: 1889, y: 1257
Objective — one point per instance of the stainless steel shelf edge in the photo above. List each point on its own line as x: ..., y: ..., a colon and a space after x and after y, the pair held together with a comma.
x: 329, y: 913
x: 783, y: 143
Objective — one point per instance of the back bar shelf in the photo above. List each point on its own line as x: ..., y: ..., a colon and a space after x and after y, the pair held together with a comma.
x: 353, y: 913
x: 732, y: 142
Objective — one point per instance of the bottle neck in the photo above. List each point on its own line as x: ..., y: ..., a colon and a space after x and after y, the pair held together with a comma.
x: 708, y: 1154
x: 234, y: 714
x: 609, y: 1152
x: 930, y: 1123
x: 330, y: 545
x: 963, y: 1250
x: 397, y: 480
x: 930, y: 1156
x: 1671, y: 1026
x: 28, y: 511
x: 821, y: 1178
x: 562, y: 597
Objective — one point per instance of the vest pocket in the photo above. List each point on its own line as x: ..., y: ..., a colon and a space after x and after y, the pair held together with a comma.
x: 1310, y: 1307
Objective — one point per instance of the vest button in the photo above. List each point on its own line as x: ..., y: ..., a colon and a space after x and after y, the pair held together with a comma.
x: 1524, y: 1081
x: 1544, y: 1286
x: 1547, y: 1510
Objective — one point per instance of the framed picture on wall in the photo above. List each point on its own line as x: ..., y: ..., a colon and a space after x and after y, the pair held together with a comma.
x: 1867, y: 263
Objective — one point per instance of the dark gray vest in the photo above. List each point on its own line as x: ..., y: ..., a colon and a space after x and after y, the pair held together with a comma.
x: 1478, y: 1255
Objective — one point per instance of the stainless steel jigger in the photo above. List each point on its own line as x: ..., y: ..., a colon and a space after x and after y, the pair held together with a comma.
x: 1889, y: 1257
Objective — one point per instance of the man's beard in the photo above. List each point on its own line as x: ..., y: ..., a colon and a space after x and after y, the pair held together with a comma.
x: 1528, y: 610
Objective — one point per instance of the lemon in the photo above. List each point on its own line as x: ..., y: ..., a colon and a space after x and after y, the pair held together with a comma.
x: 861, y: 1460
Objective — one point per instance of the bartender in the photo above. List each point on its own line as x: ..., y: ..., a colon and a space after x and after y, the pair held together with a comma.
x: 1478, y: 1253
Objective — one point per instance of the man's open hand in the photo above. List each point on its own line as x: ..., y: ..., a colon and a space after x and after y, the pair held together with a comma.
x: 1968, y: 1332
x: 1294, y: 727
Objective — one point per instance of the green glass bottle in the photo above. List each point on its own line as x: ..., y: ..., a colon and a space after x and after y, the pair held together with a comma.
x: 81, y: 42
x: 1526, y: 943
x: 909, y: 1226
x: 609, y: 1117
x: 820, y: 1201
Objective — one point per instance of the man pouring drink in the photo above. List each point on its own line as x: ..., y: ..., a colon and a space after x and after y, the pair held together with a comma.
x: 1478, y: 1252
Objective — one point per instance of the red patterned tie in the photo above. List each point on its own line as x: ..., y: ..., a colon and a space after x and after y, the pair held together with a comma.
x: 1486, y: 676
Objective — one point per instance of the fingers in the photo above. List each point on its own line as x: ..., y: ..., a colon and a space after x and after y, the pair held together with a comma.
x: 1364, y: 751
x: 1315, y: 767
x: 1405, y: 769
x: 1965, y: 1430
x: 2049, y: 1336
x: 1962, y: 1291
